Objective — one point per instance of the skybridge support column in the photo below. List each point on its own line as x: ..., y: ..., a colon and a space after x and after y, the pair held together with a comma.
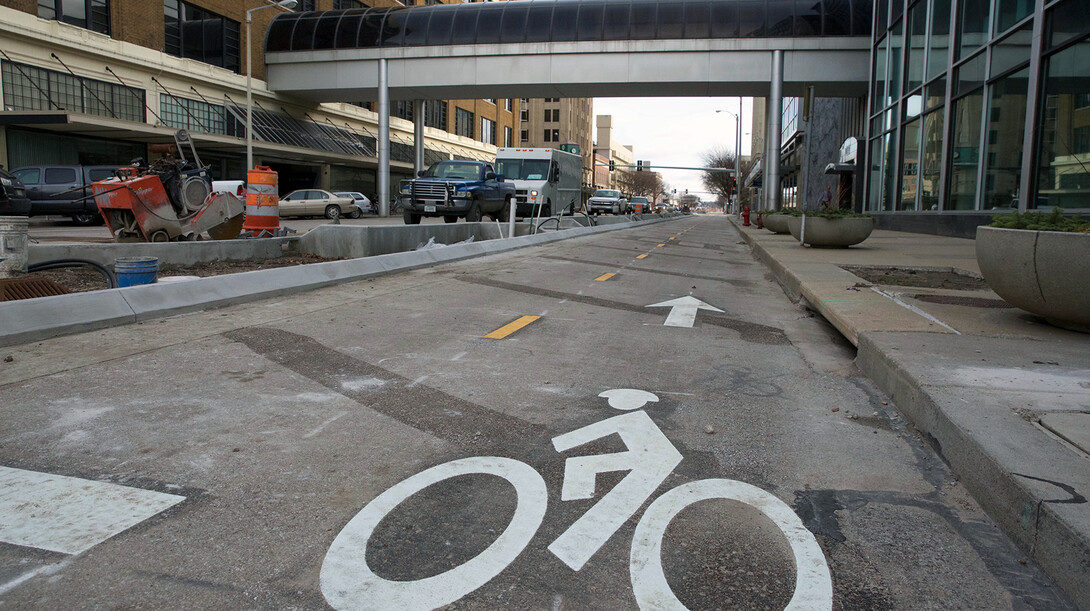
x: 383, y: 139
x: 773, y: 135
x: 418, y: 136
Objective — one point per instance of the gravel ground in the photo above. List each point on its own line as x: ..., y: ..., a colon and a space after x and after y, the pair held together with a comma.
x: 80, y: 279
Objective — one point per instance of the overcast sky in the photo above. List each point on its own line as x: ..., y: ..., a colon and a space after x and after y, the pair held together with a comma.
x: 675, y: 132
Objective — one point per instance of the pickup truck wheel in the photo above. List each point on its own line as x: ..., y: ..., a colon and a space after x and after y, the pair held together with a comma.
x: 411, y: 219
x: 474, y: 214
x: 86, y: 219
x: 450, y: 219
x: 504, y: 213
x: 332, y: 212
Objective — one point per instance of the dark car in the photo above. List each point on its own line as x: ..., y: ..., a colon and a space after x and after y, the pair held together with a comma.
x: 63, y: 190
x: 453, y: 189
x: 13, y: 199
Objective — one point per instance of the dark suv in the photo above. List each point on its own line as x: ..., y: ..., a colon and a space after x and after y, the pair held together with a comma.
x: 13, y: 199
x: 64, y: 190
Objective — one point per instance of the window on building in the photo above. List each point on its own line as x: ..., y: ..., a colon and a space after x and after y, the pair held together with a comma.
x: 1062, y: 176
x: 490, y: 100
x: 463, y: 122
x: 524, y: 135
x: 507, y: 137
x: 524, y: 114
x: 965, y: 151
x: 304, y: 6
x: 548, y: 135
x: 508, y: 104
x: 30, y: 88
x: 556, y: 114
x: 435, y: 114
x: 556, y: 135
x: 488, y: 131
x: 402, y: 109
x: 196, y: 33
x: 93, y: 15
x: 344, y: 5
x: 198, y: 116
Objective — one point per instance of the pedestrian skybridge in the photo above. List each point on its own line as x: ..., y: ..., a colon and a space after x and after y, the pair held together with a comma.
x: 572, y: 48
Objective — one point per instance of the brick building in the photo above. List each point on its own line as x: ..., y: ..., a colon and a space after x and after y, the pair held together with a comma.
x: 97, y: 81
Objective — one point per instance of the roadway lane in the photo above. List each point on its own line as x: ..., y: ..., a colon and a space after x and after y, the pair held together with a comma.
x: 244, y: 443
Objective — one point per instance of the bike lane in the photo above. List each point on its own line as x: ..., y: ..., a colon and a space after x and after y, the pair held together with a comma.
x: 281, y: 428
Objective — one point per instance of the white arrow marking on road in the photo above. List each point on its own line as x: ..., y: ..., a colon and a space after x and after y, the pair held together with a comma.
x: 683, y: 312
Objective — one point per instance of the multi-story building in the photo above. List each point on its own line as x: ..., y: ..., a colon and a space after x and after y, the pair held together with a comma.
x: 97, y: 81
x: 623, y: 157
x: 552, y: 122
x: 972, y: 103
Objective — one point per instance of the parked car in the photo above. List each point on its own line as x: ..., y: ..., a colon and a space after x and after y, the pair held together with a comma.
x: 609, y: 201
x: 234, y: 187
x: 315, y: 202
x: 363, y: 205
x: 64, y: 190
x: 13, y: 199
x: 639, y: 204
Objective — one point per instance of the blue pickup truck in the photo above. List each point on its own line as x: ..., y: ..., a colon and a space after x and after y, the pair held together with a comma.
x: 453, y: 189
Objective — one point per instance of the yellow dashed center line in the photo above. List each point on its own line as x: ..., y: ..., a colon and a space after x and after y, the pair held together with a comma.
x: 641, y: 257
x: 660, y: 246
x: 511, y: 327
x: 605, y: 277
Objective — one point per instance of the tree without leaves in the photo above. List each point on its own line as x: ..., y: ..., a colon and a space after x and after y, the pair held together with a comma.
x: 718, y: 183
x: 646, y: 183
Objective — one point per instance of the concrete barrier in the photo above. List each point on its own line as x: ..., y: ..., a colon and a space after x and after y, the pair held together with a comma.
x: 38, y: 319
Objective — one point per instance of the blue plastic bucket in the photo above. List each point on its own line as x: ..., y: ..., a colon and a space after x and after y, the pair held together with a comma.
x: 134, y: 271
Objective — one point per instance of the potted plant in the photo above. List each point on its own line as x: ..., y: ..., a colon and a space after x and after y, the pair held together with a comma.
x: 1041, y: 263
x: 831, y: 226
x: 776, y: 220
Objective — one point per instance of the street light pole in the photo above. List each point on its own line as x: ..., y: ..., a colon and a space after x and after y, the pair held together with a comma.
x: 737, y: 147
x: 288, y: 4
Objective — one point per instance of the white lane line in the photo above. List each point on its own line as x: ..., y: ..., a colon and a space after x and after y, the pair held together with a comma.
x: 417, y: 381
x: 324, y: 424
x: 458, y: 356
x: 48, y: 569
x: 68, y: 514
x: 913, y: 308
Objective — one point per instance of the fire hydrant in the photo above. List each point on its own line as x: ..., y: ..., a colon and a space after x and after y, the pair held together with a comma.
x: 745, y: 216
x: 760, y: 221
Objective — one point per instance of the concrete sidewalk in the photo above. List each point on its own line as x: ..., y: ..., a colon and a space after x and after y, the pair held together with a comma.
x: 1000, y: 394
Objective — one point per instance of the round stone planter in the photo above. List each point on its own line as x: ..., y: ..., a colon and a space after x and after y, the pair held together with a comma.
x: 831, y: 233
x: 1043, y: 272
x: 776, y: 223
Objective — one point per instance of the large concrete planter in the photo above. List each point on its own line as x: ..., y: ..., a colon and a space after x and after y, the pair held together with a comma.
x: 1044, y: 272
x: 831, y: 233
x: 776, y: 223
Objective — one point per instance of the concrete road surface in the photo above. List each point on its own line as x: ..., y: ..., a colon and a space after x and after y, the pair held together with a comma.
x: 635, y: 419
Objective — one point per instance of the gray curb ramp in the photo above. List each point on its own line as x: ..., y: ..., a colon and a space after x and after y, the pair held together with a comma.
x: 37, y: 319
x: 1031, y: 484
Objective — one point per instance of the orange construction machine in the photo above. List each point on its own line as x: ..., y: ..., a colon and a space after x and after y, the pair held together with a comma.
x: 168, y: 200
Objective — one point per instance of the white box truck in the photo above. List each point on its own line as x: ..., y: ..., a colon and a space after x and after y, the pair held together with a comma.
x: 547, y: 181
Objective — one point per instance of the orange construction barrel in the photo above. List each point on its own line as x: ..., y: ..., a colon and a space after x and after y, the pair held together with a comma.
x: 262, y: 203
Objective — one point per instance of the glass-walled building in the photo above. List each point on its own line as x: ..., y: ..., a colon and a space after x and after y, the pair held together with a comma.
x: 974, y: 103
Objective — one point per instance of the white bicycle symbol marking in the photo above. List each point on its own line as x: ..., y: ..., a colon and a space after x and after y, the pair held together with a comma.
x: 347, y: 581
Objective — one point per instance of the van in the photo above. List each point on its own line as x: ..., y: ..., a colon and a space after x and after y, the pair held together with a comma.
x: 64, y: 190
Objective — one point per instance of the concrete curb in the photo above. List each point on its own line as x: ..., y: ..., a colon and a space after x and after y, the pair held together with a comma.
x: 1002, y: 460
x: 1005, y: 462
x: 37, y: 319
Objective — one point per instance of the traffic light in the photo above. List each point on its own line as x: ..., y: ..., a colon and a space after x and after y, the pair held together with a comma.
x: 611, y: 165
x: 639, y: 166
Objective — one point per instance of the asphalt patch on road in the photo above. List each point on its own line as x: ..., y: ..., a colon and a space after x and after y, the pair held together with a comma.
x: 730, y: 281
x: 748, y: 331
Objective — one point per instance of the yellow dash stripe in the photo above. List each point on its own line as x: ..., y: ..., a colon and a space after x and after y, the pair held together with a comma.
x: 642, y: 257
x: 604, y: 277
x: 670, y: 239
x: 660, y: 246
x: 511, y: 327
